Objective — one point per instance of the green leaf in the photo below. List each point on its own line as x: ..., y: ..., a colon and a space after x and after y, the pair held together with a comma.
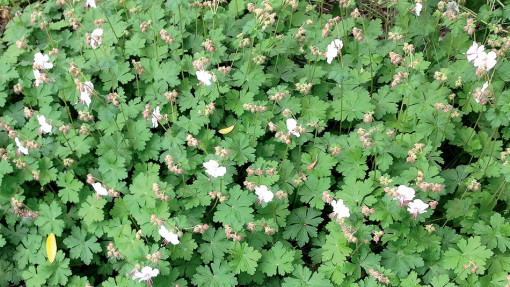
x: 313, y: 190
x: 303, y: 277
x: 80, y: 246
x: 140, y: 134
x: 302, y: 225
x: 30, y: 246
x: 497, y: 234
x: 48, y: 221
x: 70, y: 187
x: 112, y: 167
x: 356, y: 193
x: 252, y: 75
x: 353, y: 164
x: 47, y: 172
x: 8, y: 73
x: 239, y: 145
x: 92, y: 209
x: 236, y: 99
x: 34, y: 278
x: 217, y: 275
x: 277, y: 260
x: 336, y: 248
x: 401, y: 257
x: 185, y: 249
x: 134, y: 45
x: 193, y: 124
x: 236, y: 211
x: 59, y: 270
x: 121, y: 72
x: 314, y: 108
x: 411, y: 280
x: 468, y: 252
x: 441, y: 281
x: 5, y: 168
x: 353, y: 105
x: 244, y: 259
x: 169, y: 73
x: 324, y: 164
x: 385, y: 102
x: 215, y: 245
x: 336, y: 273
x: 141, y: 189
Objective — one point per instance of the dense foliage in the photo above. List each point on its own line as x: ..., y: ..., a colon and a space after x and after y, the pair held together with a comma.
x: 275, y: 143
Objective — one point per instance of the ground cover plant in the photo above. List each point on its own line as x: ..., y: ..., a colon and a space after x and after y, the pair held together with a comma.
x: 273, y: 143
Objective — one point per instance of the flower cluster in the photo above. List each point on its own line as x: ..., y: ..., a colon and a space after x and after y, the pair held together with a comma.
x: 213, y: 169
x: 95, y: 38
x: 482, y: 95
x: 230, y: 234
x: 264, y: 194
x: 414, y: 152
x: 254, y: 108
x: 112, y: 251
x: 20, y: 210
x: 482, y: 60
x: 41, y: 63
x: 146, y: 274
x: 168, y: 236
x: 340, y: 210
x: 265, y: 15
x: 157, y: 191
x: 217, y: 195
x: 205, y: 77
x: 333, y: 50
x: 329, y: 25
x: 171, y: 166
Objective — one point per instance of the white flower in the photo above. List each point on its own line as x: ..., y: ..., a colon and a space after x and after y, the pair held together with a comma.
x: 480, y: 60
x: 168, y: 236
x: 86, y: 90
x: 155, y: 115
x: 485, y: 61
x: 213, y: 168
x: 42, y: 61
x: 452, y: 7
x: 417, y: 8
x: 146, y: 274
x: 21, y: 149
x: 91, y: 3
x: 405, y: 194
x: 204, y: 77
x: 264, y: 194
x: 417, y: 207
x: 333, y: 50
x: 340, y: 210
x: 291, y: 127
x: 474, y: 51
x: 100, y: 189
x: 485, y: 86
x: 45, y: 127
x: 95, y: 38
x: 490, y: 60
x: 38, y: 78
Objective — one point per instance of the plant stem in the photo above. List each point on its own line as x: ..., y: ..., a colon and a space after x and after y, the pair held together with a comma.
x: 255, y: 128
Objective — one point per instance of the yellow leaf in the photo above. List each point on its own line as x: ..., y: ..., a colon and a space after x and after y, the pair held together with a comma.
x: 51, y: 247
x: 226, y: 130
